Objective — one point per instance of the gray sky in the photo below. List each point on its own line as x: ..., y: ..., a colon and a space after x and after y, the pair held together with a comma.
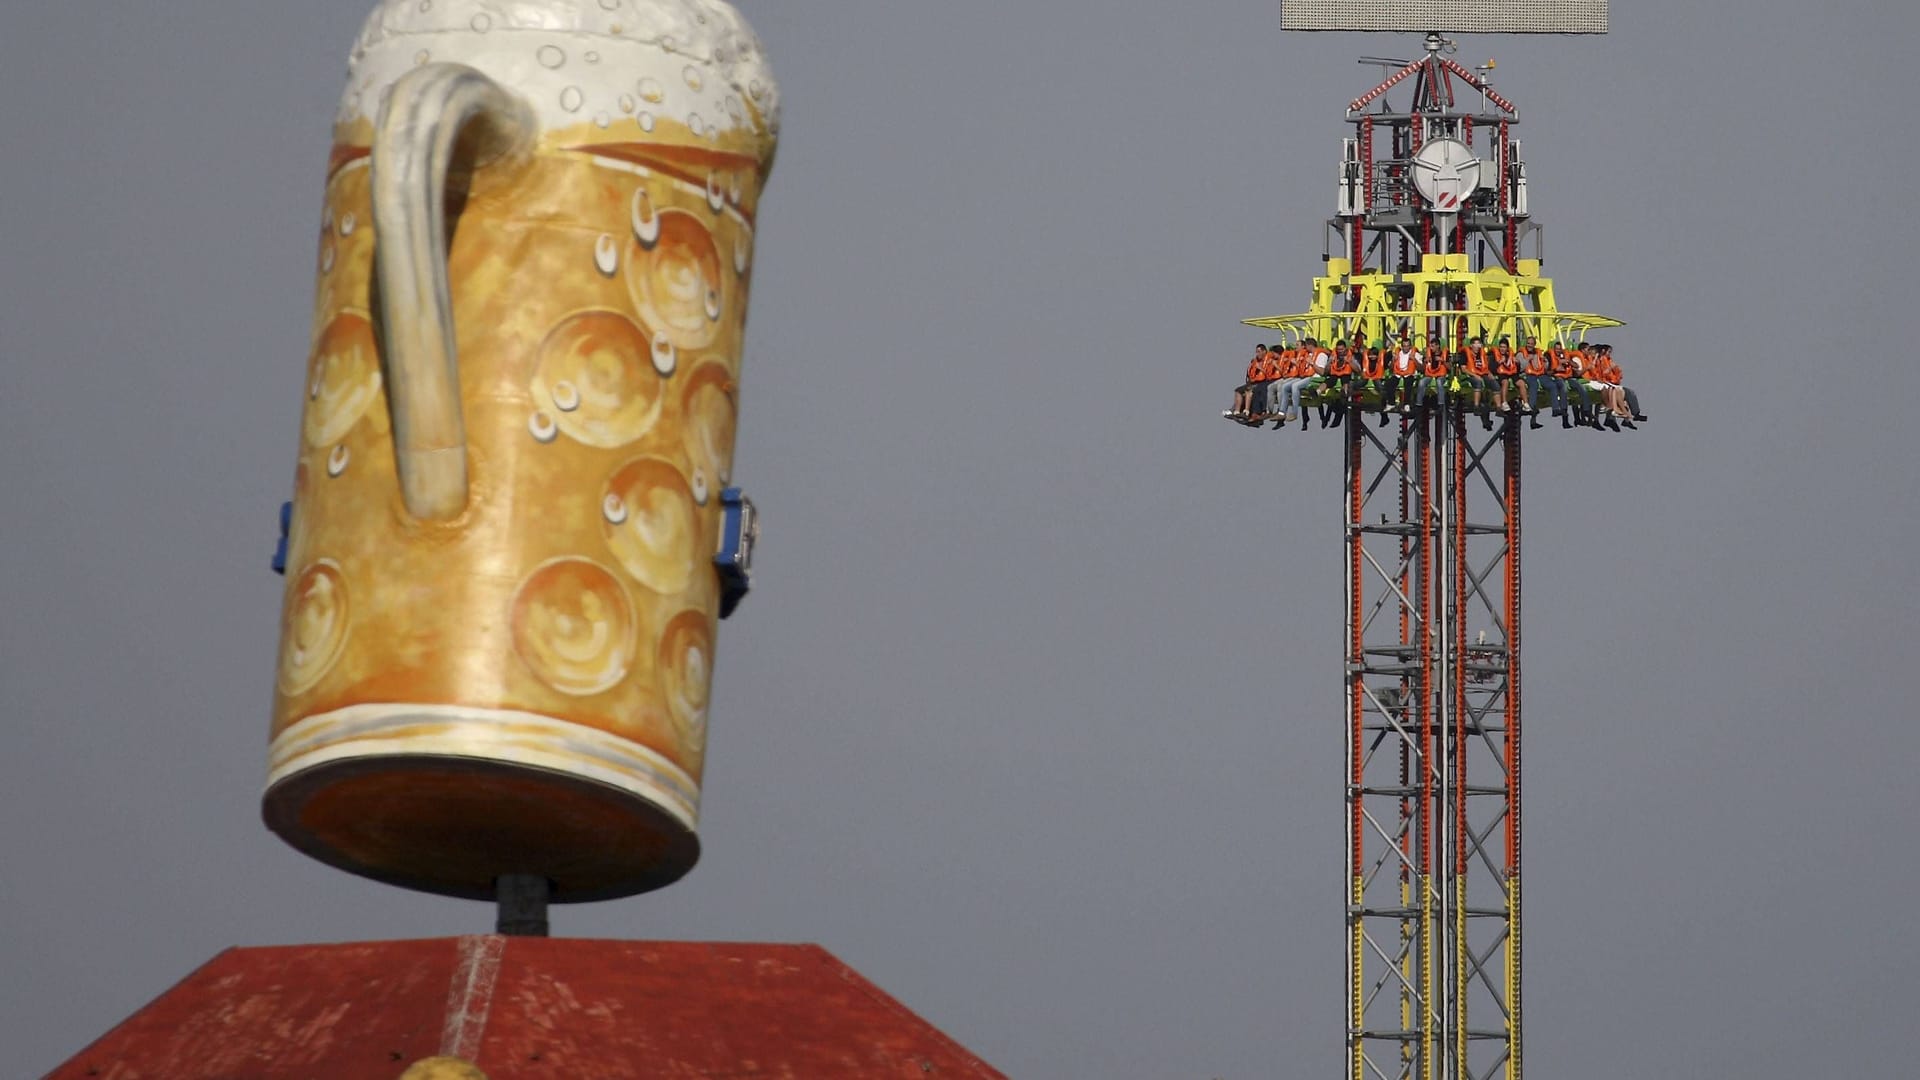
x: 1034, y: 715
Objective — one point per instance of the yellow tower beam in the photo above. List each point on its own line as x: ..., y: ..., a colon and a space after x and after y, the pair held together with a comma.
x: 1499, y: 304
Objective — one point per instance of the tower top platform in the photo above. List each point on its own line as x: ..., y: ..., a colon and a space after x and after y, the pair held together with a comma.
x: 1428, y: 302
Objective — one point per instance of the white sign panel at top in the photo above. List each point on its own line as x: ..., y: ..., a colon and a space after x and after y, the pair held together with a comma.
x: 1448, y: 16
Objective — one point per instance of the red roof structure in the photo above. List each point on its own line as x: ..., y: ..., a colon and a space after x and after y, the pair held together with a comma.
x: 523, y: 1008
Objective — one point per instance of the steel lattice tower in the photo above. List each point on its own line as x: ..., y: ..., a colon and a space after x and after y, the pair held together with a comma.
x: 1431, y: 515
x: 1433, y: 757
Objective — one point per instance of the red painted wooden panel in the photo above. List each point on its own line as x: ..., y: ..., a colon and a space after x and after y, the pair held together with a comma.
x: 342, y: 1012
x: 525, y: 1009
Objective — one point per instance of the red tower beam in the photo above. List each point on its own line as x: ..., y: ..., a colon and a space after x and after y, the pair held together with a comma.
x: 1393, y: 80
x: 1478, y: 83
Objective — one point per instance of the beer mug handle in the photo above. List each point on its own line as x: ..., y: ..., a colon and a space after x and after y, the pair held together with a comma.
x: 435, y: 111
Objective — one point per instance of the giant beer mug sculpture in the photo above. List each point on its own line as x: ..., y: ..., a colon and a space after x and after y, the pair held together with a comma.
x: 498, y: 630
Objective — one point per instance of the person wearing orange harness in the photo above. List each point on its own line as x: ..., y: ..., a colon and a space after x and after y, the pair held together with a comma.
x: 1627, y: 397
x: 1554, y: 381
x: 1270, y: 368
x: 1322, y: 374
x: 1479, y: 377
x: 1623, y: 405
x: 1506, y: 365
x: 1334, y: 392
x: 1368, y: 366
x: 1404, y: 375
x: 1373, y: 364
x: 1434, y: 376
x: 1580, y: 396
x: 1280, y: 365
x: 1243, y: 397
x: 1374, y: 367
x: 1533, y: 370
x: 1262, y: 375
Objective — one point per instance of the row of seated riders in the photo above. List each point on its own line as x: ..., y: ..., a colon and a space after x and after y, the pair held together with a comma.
x: 1582, y: 384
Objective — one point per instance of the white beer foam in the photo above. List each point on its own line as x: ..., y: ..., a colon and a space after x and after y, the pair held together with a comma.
x: 696, y: 62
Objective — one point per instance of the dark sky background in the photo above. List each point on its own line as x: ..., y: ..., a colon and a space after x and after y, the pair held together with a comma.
x: 1034, y: 715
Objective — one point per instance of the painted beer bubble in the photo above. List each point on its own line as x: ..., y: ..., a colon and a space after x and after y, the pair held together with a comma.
x: 707, y: 419
x: 315, y: 629
x: 596, y: 371
x: 675, y: 281
x: 651, y: 525
x: 686, y: 666
x: 343, y: 378
x: 574, y: 626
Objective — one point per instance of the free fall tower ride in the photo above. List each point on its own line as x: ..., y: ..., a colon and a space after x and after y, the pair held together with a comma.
x: 1433, y: 238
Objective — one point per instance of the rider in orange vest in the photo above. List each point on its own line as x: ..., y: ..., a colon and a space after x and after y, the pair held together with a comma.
x: 1373, y: 364
x: 1404, y: 373
x: 1629, y: 401
x: 1285, y: 368
x: 1334, y: 391
x: 1580, y: 393
x: 1505, y: 366
x: 1533, y: 367
x: 1373, y: 369
x: 1320, y: 370
x: 1479, y: 376
x: 1342, y: 360
x: 1561, y: 364
x: 1243, y: 396
x: 1433, y: 370
x: 1272, y: 371
x: 1554, y: 380
x: 1478, y: 368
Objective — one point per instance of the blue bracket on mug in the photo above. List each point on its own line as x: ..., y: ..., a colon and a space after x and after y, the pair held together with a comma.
x: 739, y: 528
x: 280, y: 549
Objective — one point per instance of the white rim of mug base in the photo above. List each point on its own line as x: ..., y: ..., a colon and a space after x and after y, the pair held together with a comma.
x: 360, y: 732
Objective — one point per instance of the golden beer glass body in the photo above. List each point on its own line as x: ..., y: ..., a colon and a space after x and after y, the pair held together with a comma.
x: 498, y: 632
